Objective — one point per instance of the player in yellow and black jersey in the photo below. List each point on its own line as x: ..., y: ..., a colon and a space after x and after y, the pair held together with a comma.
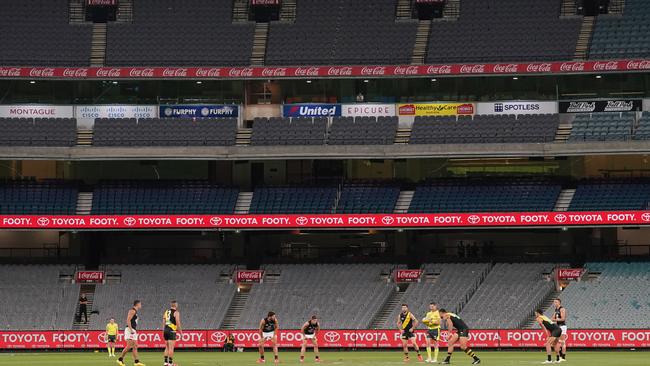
x: 461, y: 336
x: 406, y: 322
x: 171, y: 328
x: 554, y: 332
x: 432, y: 321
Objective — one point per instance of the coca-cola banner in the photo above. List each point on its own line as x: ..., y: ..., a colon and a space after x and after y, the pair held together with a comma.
x: 596, y: 106
x: 89, y: 277
x: 327, y: 338
x: 368, y: 110
x: 101, y: 2
x: 517, y: 107
x: 279, y: 221
x: 248, y: 276
x: 407, y: 275
x: 569, y: 274
x: 265, y: 2
x: 265, y: 72
x: 86, y: 114
x: 36, y: 111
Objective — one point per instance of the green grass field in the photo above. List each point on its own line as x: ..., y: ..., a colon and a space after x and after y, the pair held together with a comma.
x: 624, y: 358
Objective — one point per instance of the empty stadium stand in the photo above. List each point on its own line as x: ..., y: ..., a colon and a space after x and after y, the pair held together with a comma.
x: 342, y: 32
x: 35, y: 299
x: 38, y: 132
x: 42, y: 197
x: 467, y: 195
x: 344, y: 296
x: 504, y: 30
x: 293, y: 200
x: 37, y: 33
x: 163, y: 197
x: 363, y: 131
x: 208, y: 36
x: 368, y: 198
x: 611, y: 194
x: 146, y: 283
x: 286, y: 131
x: 602, y: 127
x: 484, y: 129
x: 623, y: 37
x: 165, y: 132
x: 643, y: 130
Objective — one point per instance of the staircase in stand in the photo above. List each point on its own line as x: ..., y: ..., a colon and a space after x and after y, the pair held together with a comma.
x: 124, y: 11
x: 403, y: 135
x: 244, y: 136
x: 84, y: 203
x: 616, y: 7
x: 421, y: 42
x: 288, y: 10
x: 233, y: 314
x: 451, y: 10
x: 240, y: 11
x: 84, y: 137
x: 393, y: 301
x: 569, y: 8
x: 259, y: 44
x: 98, y: 45
x: 89, y: 290
x: 404, y: 10
x: 563, y: 132
x: 243, y: 204
x: 564, y: 200
x: 76, y: 12
x: 584, y: 38
x: 403, y: 202
x: 531, y: 322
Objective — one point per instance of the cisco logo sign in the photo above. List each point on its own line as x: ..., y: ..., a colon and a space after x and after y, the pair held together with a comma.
x: 517, y: 107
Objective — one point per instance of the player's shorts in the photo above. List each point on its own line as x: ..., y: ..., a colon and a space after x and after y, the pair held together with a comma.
x: 434, y: 334
x: 310, y: 336
x: 268, y: 335
x: 463, y: 333
x: 407, y: 334
x: 169, y: 335
x: 111, y: 338
x: 130, y: 335
x: 564, y: 329
x: 556, y: 333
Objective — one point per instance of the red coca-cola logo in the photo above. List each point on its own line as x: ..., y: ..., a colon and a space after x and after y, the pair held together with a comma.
x: 109, y: 72
x: 90, y: 276
x: 210, y: 73
x: 307, y: 71
x: 249, y: 276
x: 606, y: 66
x: 406, y: 70
x: 174, y: 72
x: 373, y: 70
x: 339, y: 71
x: 77, y: 73
x: 472, y: 69
x: 439, y: 69
x: 42, y: 72
x: 244, y: 72
x: 506, y: 68
x: 638, y: 65
x: 9, y: 71
x: 570, y: 273
x: 141, y: 73
x: 544, y: 67
x: 407, y: 274
x: 274, y: 71
x: 572, y: 66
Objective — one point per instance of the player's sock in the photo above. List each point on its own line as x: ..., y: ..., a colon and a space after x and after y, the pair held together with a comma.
x: 428, y: 352
x: 548, y: 358
x: 303, y: 357
x: 276, y: 357
x: 171, y: 361
x: 435, y: 354
x: 121, y: 359
x: 261, y: 357
x: 166, y: 360
x: 557, y: 358
x: 470, y: 353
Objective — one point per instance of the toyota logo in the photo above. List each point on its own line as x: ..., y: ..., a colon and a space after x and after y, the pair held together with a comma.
x: 474, y: 219
x: 560, y: 218
x: 43, y: 221
x: 130, y: 221
x: 645, y: 217
x: 102, y: 337
x: 216, y: 221
x: 218, y: 337
x: 302, y: 220
x: 387, y: 220
x: 332, y: 337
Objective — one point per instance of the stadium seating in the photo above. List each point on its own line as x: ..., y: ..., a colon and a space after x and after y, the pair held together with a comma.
x: 329, y: 32
x: 286, y: 200
x: 617, y: 37
x: 164, y: 132
x: 498, y: 195
x: 643, y: 130
x: 504, y: 30
x: 38, y: 33
x: 33, y: 297
x: 484, y: 129
x: 618, y: 298
x: 451, y: 286
x: 367, y: 198
x: 344, y: 296
x: 203, y: 298
x: 44, y: 197
x: 602, y: 127
x: 363, y: 131
x: 611, y: 194
x: 285, y: 131
x: 163, y: 197
x: 508, y: 296
x: 38, y: 132
x: 208, y: 36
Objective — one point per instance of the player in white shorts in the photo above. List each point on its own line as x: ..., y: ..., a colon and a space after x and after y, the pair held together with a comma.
x: 131, y: 335
x: 559, y: 316
x: 269, y: 332
x: 309, y: 333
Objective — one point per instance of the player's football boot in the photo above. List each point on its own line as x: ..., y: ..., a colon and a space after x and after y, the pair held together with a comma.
x: 420, y: 358
x: 261, y: 360
x: 476, y: 362
x: 139, y: 364
x: 120, y: 363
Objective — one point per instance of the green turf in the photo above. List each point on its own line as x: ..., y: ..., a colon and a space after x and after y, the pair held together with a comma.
x: 624, y: 358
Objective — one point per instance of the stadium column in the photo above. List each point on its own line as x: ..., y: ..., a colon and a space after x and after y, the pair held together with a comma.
x: 236, y: 242
x: 401, y: 243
